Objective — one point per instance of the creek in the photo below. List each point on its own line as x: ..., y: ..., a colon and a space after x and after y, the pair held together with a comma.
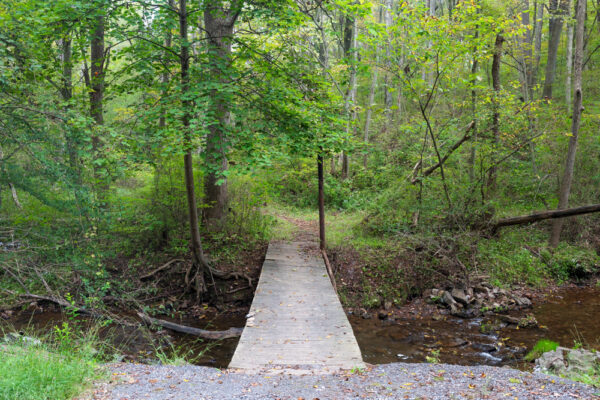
x: 568, y: 316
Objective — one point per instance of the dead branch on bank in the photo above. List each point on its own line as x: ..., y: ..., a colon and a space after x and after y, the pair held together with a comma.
x: 161, y: 268
x: 205, y: 334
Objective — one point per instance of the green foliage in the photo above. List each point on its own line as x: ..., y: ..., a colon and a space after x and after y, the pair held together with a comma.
x: 571, y: 262
x: 59, y: 369
x: 508, y: 261
x: 433, y: 357
x: 542, y: 346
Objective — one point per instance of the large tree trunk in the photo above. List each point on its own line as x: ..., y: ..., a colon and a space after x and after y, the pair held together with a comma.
x: 557, y: 11
x: 195, y: 240
x: 219, y: 20
x: 565, y: 189
x: 496, y: 107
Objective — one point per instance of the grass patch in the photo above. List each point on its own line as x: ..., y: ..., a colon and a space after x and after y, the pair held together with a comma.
x: 59, y: 367
x: 41, y: 373
x: 541, y: 347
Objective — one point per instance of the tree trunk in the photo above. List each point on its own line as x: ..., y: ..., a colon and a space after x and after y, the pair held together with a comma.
x: 165, y: 75
x: 496, y: 107
x: 97, y: 63
x: 554, y: 214
x: 568, y: 97
x: 473, y: 150
x: 66, y: 93
x: 370, y: 105
x: 350, y: 54
x: 556, y: 10
x: 537, y: 41
x: 387, y: 84
x: 321, y: 202
x: 195, y: 240
x: 219, y: 20
x: 565, y: 189
x: 526, y: 59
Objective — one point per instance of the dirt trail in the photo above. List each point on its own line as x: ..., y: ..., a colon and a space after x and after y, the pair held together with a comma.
x: 306, y: 231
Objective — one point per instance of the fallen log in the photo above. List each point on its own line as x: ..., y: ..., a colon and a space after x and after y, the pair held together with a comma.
x: 229, y: 333
x: 528, y: 219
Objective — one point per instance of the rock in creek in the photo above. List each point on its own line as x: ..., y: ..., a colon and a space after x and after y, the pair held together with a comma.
x: 576, y: 363
x: 460, y: 296
x: 472, y: 301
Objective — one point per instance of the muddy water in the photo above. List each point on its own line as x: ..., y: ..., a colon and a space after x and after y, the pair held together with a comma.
x: 569, y: 315
x: 129, y: 343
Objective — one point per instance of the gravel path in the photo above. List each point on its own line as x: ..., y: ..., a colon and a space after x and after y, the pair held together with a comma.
x: 397, y: 381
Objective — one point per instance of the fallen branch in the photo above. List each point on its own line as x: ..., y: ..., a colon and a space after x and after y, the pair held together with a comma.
x: 456, y: 145
x: 528, y: 219
x: 65, y: 304
x: 238, y: 289
x: 157, y: 270
x: 329, y: 271
x: 229, y: 333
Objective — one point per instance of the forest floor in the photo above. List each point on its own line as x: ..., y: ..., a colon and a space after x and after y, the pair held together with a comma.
x: 397, y: 380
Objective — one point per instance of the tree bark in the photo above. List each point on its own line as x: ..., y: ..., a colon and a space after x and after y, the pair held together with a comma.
x: 557, y: 9
x: 497, y: 58
x: 195, y: 239
x: 219, y: 22
x: 565, y: 189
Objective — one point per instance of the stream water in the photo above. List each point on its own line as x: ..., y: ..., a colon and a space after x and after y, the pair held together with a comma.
x: 568, y: 316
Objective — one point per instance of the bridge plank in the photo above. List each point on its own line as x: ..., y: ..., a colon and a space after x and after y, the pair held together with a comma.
x: 296, y: 320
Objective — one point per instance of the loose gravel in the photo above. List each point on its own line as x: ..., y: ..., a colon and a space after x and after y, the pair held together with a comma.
x: 396, y: 381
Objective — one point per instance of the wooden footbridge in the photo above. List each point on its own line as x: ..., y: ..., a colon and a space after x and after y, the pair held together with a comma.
x: 296, y: 322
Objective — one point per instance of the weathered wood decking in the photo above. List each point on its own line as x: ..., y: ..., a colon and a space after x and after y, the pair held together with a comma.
x: 296, y: 320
